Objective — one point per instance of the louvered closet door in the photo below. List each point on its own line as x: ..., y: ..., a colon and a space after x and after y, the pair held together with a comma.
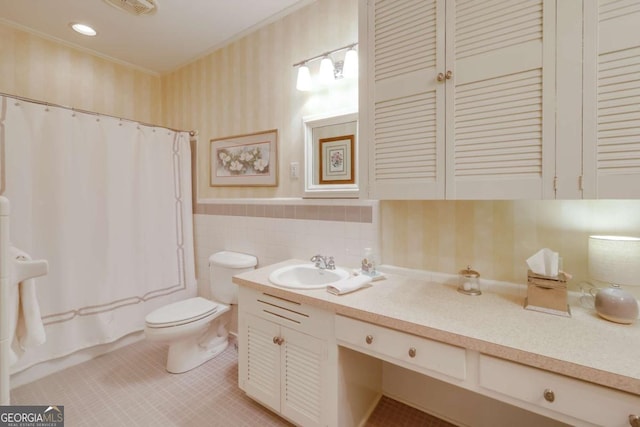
x: 303, y: 366
x: 405, y: 54
x: 612, y: 103
x: 259, y: 361
x: 500, y: 114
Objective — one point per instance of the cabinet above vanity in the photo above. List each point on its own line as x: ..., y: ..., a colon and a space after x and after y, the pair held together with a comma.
x: 559, y: 367
x: 500, y: 100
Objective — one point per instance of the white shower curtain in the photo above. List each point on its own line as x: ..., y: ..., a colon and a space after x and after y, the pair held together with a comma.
x: 108, y: 203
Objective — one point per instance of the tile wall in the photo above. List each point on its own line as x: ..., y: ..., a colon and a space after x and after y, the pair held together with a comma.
x: 275, y: 230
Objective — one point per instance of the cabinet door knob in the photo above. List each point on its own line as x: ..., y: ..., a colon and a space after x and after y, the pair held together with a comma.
x: 448, y: 75
x: 549, y: 395
x: 634, y: 420
x: 369, y: 339
x: 278, y: 340
x: 412, y: 352
x: 440, y: 77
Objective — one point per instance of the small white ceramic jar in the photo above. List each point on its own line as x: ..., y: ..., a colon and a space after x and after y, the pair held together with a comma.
x: 617, y: 305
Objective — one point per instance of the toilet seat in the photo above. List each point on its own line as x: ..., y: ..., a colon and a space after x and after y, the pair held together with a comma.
x: 182, y: 312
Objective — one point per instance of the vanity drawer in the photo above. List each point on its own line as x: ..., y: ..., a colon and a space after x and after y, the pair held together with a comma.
x: 410, y: 351
x: 287, y: 312
x: 585, y: 401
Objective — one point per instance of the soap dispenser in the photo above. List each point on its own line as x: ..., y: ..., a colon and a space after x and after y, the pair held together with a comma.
x: 368, y: 266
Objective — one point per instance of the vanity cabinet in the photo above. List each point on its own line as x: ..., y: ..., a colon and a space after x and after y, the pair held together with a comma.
x: 549, y: 393
x: 283, y: 356
x: 459, y: 98
x: 416, y: 353
x: 324, y: 360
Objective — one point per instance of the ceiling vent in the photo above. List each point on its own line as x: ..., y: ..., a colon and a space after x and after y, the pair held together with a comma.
x: 135, y: 7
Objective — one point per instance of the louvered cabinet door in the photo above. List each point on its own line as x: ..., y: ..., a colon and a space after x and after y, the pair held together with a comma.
x: 405, y: 53
x: 259, y: 360
x: 612, y: 99
x: 500, y: 99
x: 303, y: 367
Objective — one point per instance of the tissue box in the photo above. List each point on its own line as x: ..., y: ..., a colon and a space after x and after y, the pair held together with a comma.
x: 547, y: 294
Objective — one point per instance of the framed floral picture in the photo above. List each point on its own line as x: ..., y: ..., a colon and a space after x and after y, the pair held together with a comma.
x: 336, y: 160
x: 245, y: 160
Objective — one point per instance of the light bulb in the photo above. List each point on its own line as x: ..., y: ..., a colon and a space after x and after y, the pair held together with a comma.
x: 350, y: 68
x: 304, y: 79
x: 326, y: 71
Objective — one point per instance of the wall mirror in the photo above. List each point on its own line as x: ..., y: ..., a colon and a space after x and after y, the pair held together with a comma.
x: 331, y: 155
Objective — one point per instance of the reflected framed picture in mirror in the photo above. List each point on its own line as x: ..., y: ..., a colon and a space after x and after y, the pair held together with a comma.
x: 337, y: 159
x: 331, y: 155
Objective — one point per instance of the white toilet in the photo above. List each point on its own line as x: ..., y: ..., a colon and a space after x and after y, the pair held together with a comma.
x: 196, y: 328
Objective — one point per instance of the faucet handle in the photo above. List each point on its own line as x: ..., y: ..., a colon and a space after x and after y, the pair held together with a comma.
x: 317, y: 259
x: 331, y: 265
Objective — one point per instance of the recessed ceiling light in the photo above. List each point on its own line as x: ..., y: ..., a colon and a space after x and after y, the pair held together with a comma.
x: 83, y: 29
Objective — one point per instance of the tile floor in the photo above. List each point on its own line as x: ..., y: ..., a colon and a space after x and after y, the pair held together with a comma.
x: 129, y: 387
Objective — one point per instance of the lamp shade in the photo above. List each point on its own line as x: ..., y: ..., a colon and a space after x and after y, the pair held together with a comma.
x: 304, y: 79
x: 615, y: 259
x: 350, y: 68
x: 326, y: 71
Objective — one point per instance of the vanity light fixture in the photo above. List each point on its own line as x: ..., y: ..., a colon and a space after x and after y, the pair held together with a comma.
x: 329, y: 70
x: 83, y: 29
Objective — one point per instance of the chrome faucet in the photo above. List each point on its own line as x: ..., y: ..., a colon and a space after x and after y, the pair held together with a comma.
x: 323, y: 262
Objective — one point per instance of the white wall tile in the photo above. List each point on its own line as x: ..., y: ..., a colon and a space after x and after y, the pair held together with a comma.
x: 274, y: 240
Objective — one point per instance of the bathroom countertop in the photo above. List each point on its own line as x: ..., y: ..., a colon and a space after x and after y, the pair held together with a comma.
x: 583, y: 346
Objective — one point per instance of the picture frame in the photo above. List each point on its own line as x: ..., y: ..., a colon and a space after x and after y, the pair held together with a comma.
x: 337, y: 160
x: 249, y: 160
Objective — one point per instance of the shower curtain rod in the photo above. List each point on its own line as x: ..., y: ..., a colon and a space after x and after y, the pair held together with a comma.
x: 192, y: 133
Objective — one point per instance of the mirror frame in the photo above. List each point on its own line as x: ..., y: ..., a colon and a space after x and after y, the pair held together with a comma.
x: 329, y: 190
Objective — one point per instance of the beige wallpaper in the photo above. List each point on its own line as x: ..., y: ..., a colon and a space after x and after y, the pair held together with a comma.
x: 496, y: 237
x: 249, y: 86
x: 36, y: 68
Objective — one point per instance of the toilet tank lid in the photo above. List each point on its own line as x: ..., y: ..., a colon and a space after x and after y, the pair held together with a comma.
x: 233, y: 260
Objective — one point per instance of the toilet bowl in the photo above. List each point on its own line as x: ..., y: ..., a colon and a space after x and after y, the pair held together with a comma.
x: 196, y: 327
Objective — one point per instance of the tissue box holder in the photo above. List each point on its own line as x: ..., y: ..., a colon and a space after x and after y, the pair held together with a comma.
x: 547, y: 294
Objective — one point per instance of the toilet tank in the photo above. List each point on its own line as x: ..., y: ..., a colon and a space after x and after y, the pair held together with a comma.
x: 222, y: 267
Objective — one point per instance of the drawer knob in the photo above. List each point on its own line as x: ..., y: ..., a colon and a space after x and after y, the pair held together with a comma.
x: 549, y: 395
x: 369, y: 339
x: 634, y: 420
x: 278, y: 340
x: 412, y: 352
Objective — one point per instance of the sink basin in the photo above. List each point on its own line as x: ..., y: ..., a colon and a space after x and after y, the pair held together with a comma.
x: 306, y: 276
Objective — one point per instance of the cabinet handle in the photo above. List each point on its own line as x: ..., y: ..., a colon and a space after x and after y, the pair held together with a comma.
x: 440, y: 77
x: 369, y: 339
x: 278, y: 340
x: 448, y: 75
x: 549, y: 395
x: 412, y: 352
x: 634, y: 420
